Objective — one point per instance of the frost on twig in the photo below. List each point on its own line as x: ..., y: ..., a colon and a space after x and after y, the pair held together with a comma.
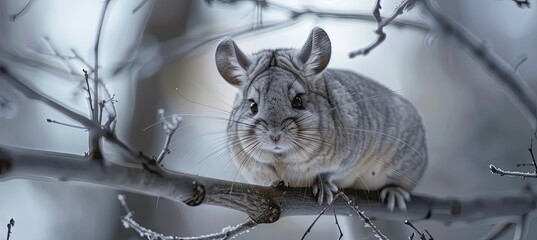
x: 367, y: 221
x: 381, y: 23
x: 501, y: 172
x: 10, y: 225
x: 227, y: 233
x: 170, y: 125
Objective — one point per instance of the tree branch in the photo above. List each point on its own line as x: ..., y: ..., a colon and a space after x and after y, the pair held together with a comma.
x: 514, y: 84
x: 261, y: 204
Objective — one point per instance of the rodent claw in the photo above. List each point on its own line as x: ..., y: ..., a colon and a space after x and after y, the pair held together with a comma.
x: 395, y: 196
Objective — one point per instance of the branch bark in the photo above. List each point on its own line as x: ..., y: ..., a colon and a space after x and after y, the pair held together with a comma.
x: 262, y: 204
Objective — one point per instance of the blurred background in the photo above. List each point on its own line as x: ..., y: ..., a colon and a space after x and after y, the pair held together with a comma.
x: 160, y: 54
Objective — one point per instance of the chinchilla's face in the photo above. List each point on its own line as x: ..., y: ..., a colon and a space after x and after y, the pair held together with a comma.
x: 275, y: 111
x: 276, y: 116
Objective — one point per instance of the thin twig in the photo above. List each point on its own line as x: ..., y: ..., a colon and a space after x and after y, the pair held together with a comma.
x: 381, y: 23
x: 498, y: 231
x: 10, y: 225
x: 110, y: 109
x: 337, y: 224
x: 34, y: 94
x: 102, y: 106
x: 501, y: 172
x: 65, y: 124
x: 170, y: 125
x: 227, y: 233
x: 308, y: 230
x: 147, y: 162
x: 519, y: 62
x: 364, y: 218
x: 86, y: 78
x: 94, y: 137
x: 95, y: 113
x: 350, y: 203
x: 142, y: 3
x: 15, y: 16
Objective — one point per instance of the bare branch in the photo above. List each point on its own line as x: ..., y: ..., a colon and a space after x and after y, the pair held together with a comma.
x: 262, y: 204
x: 381, y: 23
x: 36, y: 95
x: 516, y: 86
x: 227, y: 233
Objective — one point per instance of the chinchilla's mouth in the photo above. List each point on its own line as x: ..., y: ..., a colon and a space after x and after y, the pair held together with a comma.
x: 278, y: 149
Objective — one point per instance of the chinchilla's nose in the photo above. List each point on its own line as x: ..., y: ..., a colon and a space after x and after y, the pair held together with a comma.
x: 275, y: 137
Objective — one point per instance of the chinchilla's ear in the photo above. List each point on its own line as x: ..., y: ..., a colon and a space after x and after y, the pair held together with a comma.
x: 231, y: 62
x: 315, y: 54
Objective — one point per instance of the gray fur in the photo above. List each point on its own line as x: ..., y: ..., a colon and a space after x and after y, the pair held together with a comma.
x: 353, y: 132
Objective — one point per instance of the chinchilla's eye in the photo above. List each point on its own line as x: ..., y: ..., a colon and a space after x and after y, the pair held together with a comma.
x: 253, y: 107
x: 297, y: 103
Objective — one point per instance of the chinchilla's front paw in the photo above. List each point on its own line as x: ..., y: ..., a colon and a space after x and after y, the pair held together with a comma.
x: 395, y: 196
x: 324, y: 189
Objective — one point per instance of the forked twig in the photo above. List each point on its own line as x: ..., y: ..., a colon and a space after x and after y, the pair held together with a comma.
x: 170, y: 125
x: 360, y: 213
x: 381, y: 23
